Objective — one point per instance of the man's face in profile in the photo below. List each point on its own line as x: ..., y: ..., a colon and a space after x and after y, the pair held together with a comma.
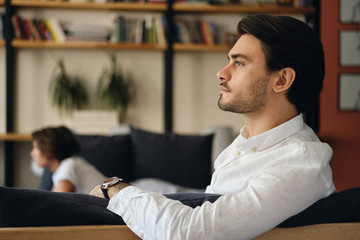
x: 244, y: 81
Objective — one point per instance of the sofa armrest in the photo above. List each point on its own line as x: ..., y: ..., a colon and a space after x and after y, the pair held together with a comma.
x: 95, y: 232
x: 329, y: 231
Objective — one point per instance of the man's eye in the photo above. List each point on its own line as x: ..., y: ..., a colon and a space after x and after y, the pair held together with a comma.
x: 238, y: 63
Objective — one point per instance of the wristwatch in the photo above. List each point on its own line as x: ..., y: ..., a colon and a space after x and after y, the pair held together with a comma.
x: 108, y: 183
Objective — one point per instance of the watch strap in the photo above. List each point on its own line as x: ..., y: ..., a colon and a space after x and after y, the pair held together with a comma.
x: 108, y: 183
x: 105, y: 192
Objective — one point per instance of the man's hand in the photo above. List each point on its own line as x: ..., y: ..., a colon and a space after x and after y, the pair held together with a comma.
x: 111, y: 190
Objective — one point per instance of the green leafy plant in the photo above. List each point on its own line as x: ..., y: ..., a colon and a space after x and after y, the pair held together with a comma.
x: 115, y: 89
x: 67, y: 92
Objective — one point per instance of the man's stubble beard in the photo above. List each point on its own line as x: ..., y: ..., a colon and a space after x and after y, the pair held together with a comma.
x: 255, y: 101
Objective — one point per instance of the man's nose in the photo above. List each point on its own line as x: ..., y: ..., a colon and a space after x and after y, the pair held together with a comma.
x: 223, y: 74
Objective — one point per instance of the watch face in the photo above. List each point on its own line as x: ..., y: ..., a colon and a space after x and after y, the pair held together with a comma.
x: 111, y: 181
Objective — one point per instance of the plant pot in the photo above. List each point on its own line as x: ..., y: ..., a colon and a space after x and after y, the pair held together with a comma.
x: 94, y: 121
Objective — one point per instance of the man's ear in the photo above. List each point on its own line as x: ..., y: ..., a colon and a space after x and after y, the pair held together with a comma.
x: 284, y: 79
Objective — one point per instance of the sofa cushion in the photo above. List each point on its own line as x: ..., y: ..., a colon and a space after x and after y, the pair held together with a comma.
x: 32, y: 207
x: 339, y: 207
x: 180, y: 159
x: 111, y: 155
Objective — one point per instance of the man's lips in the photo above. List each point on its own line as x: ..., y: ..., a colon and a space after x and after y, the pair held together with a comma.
x: 224, y: 88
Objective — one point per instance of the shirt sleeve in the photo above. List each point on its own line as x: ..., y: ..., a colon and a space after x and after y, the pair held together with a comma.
x: 66, y: 171
x: 270, y: 198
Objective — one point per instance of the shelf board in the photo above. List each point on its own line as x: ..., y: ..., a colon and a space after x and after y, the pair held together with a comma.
x: 236, y: 8
x: 121, y: 46
x: 85, y: 45
x: 15, y: 137
x: 201, y: 47
x: 95, y: 6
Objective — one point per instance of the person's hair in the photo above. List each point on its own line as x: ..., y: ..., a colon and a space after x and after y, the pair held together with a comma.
x: 288, y: 42
x: 56, y: 142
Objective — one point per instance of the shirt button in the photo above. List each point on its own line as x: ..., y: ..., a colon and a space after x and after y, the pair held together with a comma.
x: 129, y: 223
x: 254, y: 149
x: 238, y: 153
x: 214, y: 177
x: 141, y: 235
x: 117, y: 208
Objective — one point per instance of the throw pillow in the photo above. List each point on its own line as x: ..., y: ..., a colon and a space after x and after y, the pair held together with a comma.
x: 180, y: 159
x: 111, y: 155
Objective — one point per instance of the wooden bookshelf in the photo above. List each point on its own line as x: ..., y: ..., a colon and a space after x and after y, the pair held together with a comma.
x: 15, y: 137
x: 2, y: 2
x: 2, y: 42
x: 236, y: 8
x: 85, y: 45
x: 87, y: 6
x: 200, y: 47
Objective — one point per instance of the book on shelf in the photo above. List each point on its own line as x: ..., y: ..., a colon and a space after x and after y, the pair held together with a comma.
x: 18, y: 27
x: 196, y: 31
x: 42, y: 29
x: 149, y: 29
x: 86, y: 32
x: 56, y: 30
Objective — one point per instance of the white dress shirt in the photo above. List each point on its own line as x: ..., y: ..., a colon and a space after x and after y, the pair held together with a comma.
x: 264, y: 180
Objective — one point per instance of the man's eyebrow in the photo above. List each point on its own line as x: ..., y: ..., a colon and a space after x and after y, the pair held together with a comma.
x: 237, y: 55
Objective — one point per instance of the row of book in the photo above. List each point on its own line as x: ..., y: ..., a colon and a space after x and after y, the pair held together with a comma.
x: 86, y: 32
x: 149, y: 29
x: 196, y: 31
x: 37, y: 29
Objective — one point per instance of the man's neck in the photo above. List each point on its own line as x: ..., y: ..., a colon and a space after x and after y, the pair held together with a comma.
x: 257, y: 123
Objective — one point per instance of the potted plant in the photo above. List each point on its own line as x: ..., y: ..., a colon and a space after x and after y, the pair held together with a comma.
x: 115, y: 89
x: 67, y: 91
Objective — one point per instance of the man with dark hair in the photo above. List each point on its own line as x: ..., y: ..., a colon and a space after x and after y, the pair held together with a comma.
x: 275, y: 168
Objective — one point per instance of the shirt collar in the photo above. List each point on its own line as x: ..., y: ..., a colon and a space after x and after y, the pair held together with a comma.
x: 271, y: 137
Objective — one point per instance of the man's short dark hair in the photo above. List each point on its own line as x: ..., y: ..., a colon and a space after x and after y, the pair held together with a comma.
x: 288, y: 42
x: 56, y: 142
